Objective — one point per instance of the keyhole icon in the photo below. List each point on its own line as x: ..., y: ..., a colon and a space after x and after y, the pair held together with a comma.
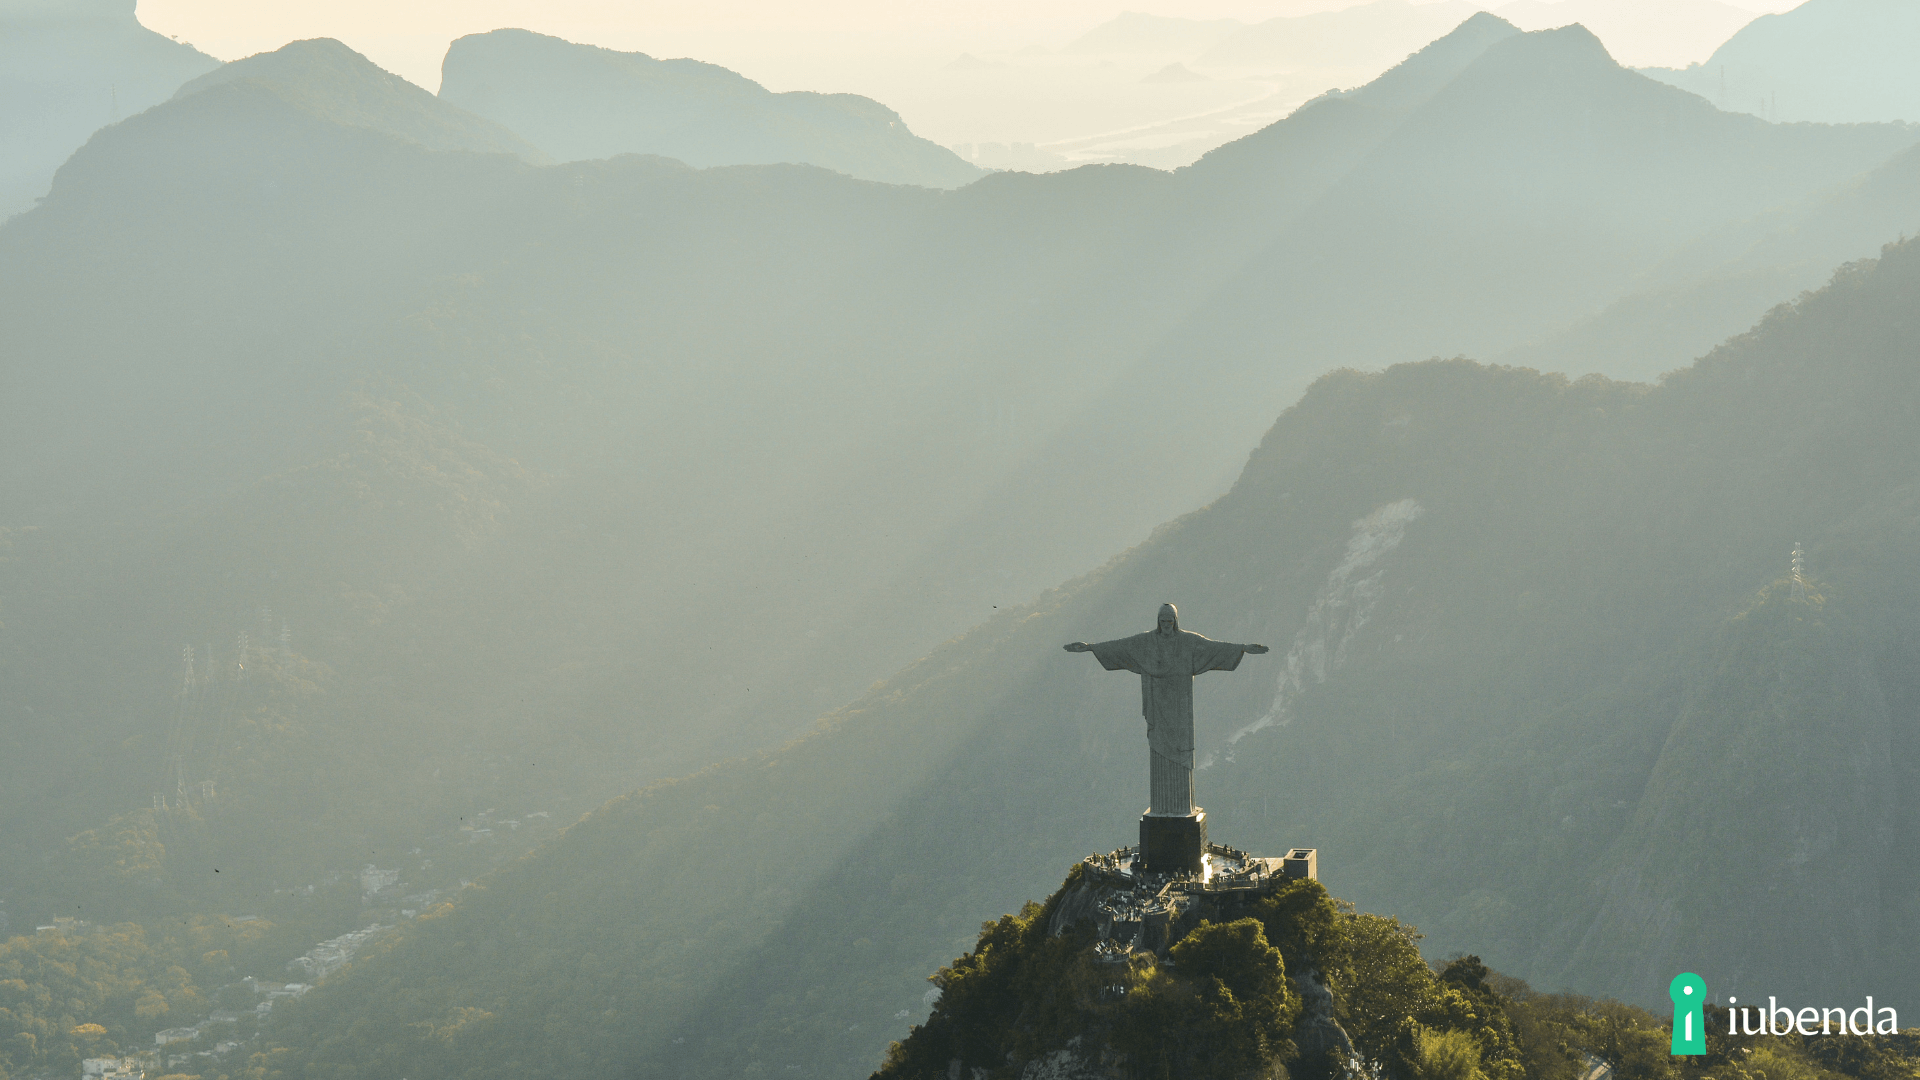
x: 1689, y: 994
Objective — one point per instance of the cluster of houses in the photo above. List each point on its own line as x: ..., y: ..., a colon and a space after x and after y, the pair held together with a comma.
x: 377, y: 887
x: 332, y: 954
x: 112, y: 1069
x: 178, y: 1062
x: 482, y: 826
x: 267, y: 992
x: 374, y: 881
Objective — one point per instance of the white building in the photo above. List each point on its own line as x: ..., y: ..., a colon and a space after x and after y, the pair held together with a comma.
x: 373, y: 879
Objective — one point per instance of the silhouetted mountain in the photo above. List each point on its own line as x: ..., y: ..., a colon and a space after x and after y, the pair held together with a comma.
x: 1638, y: 32
x: 1538, y: 678
x: 1828, y: 61
x: 1729, y: 278
x: 916, y: 403
x: 579, y: 102
x: 66, y: 70
x: 331, y: 81
x: 1461, y: 206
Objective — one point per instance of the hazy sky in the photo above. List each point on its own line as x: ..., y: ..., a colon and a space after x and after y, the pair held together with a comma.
x: 891, y: 51
x: 410, y: 35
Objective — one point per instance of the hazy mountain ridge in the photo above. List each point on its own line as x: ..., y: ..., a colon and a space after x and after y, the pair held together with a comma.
x: 993, y: 384
x: 1730, y: 277
x: 583, y: 102
x: 326, y: 78
x: 1639, y: 32
x: 67, y: 70
x: 1487, y: 740
x: 575, y: 318
x: 1833, y: 61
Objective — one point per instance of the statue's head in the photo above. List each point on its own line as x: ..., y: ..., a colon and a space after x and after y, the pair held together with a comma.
x: 1169, y: 620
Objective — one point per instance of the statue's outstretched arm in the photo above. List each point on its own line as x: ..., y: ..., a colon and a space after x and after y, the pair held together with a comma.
x: 1256, y: 649
x: 1081, y: 646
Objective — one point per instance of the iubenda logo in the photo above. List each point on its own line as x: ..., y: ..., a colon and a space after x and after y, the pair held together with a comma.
x: 1861, y: 1021
x: 1689, y: 994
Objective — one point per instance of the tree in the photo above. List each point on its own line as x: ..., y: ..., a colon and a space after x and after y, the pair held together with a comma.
x: 1445, y: 1055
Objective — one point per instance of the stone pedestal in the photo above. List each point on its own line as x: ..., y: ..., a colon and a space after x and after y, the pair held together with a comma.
x: 1302, y: 863
x: 1173, y: 845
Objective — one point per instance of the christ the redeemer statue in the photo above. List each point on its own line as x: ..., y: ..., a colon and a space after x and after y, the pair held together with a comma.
x: 1167, y: 659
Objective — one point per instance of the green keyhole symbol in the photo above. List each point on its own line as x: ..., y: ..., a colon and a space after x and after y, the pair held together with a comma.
x: 1689, y: 994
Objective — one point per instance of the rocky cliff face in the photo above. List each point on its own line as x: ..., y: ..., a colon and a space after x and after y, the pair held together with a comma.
x: 1124, y: 974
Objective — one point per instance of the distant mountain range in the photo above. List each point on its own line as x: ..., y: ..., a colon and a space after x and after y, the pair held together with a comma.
x: 1540, y: 680
x: 982, y: 379
x: 1727, y: 279
x: 1381, y: 32
x: 1638, y: 32
x: 332, y: 82
x: 66, y: 70
x: 566, y: 479
x: 581, y: 102
x: 1827, y: 61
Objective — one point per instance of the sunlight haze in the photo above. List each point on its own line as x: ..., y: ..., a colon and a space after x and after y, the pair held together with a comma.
x: 903, y: 55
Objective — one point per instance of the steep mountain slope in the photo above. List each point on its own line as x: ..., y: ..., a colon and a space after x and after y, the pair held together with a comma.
x: 327, y: 79
x: 66, y: 70
x: 1462, y: 191
x: 1524, y: 630
x: 1728, y: 278
x: 582, y: 102
x: 1829, y: 61
x: 823, y: 421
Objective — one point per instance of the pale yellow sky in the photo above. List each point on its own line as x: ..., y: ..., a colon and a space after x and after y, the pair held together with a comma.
x: 894, y: 52
x: 409, y: 36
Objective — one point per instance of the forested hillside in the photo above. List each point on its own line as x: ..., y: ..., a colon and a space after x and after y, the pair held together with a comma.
x: 1297, y: 982
x: 1508, y: 611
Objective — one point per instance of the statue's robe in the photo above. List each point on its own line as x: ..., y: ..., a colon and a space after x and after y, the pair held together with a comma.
x: 1166, y: 665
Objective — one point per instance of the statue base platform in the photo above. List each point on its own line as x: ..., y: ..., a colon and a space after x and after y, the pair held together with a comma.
x: 1173, y: 845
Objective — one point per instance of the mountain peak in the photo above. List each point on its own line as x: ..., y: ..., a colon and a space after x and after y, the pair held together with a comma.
x: 1831, y: 61
x: 582, y: 102
x: 1419, y: 76
x: 307, y: 63
x: 1570, y: 45
x: 331, y: 80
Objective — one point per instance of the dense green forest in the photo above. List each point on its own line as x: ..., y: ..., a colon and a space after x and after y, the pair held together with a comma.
x: 1225, y: 1002
x: 77, y: 990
